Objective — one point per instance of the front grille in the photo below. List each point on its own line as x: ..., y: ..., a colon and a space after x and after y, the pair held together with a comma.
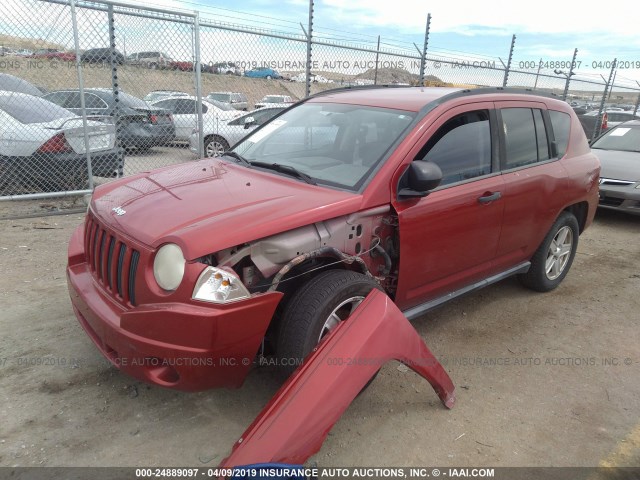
x: 113, y: 263
x: 611, y: 201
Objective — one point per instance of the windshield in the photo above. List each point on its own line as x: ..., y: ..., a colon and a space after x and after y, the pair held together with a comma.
x: 221, y: 97
x: 131, y: 101
x: 335, y: 144
x: 273, y: 99
x: 28, y: 109
x: 626, y: 139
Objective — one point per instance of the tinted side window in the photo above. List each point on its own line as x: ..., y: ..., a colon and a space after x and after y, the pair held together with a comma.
x: 541, y: 135
x: 265, y: 115
x: 168, y: 104
x: 520, y: 137
x: 56, y: 97
x: 72, y: 100
x: 461, y: 147
x: 185, y: 107
x: 93, y: 101
x: 561, y: 123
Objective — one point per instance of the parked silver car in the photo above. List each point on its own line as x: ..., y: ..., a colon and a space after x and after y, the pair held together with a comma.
x: 619, y: 154
x: 236, y: 99
x: 218, y: 138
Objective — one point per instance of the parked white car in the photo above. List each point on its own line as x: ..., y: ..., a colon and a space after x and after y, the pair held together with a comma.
x: 185, y: 116
x: 42, y: 146
x: 218, y: 140
x: 274, y: 101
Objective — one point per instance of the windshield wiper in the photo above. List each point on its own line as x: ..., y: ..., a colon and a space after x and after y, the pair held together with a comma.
x: 285, y: 169
x: 237, y: 156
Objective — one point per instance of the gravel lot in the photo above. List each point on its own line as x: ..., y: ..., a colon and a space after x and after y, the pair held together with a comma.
x: 569, y: 395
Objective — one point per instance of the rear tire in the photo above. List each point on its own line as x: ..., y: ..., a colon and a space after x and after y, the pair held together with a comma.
x: 315, y: 310
x: 214, y: 146
x: 553, y: 259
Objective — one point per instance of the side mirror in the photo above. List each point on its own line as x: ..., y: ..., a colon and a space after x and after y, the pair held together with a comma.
x: 419, y: 179
x: 249, y: 121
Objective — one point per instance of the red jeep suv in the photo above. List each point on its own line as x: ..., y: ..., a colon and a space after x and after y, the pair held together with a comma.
x: 184, y: 276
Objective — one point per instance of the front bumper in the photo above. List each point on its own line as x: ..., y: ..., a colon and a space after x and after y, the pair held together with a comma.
x: 185, y: 346
x: 622, y: 198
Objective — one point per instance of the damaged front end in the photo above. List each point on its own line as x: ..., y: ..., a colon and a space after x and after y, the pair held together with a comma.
x: 294, y: 424
x: 365, y: 242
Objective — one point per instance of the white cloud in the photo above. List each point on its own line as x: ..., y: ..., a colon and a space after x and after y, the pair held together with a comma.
x: 462, y: 16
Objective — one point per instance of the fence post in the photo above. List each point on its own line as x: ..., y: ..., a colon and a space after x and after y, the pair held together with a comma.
x: 309, y: 40
x: 114, y: 82
x: 375, y: 75
x: 635, y: 110
x: 197, y: 65
x: 76, y: 44
x: 508, y: 66
x: 596, y: 131
x: 423, y: 60
x: 569, y: 75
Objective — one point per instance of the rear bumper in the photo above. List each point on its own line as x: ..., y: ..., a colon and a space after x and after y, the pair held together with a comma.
x: 147, y: 135
x: 183, y: 346
x: 624, y: 198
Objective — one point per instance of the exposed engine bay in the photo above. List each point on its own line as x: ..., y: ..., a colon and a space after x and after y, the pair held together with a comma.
x: 366, y: 241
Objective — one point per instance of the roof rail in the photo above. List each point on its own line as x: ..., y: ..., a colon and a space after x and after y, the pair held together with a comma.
x: 461, y: 92
x: 357, y: 87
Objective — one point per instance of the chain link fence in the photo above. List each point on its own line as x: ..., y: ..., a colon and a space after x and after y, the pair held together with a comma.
x: 97, y: 90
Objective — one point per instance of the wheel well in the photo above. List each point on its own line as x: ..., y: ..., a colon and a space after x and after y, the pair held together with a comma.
x: 302, y: 274
x: 579, y: 210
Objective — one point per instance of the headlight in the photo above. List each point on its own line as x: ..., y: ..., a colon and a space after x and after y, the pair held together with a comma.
x: 168, y: 266
x: 219, y: 286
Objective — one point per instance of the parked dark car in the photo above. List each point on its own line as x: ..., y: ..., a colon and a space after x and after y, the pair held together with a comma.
x: 423, y: 193
x: 140, y: 126
x: 619, y: 154
x: 101, y: 55
x: 589, y: 123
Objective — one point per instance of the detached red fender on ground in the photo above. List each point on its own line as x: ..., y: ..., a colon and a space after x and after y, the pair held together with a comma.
x: 300, y: 415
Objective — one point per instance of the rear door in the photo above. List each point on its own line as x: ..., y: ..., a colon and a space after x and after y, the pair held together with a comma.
x: 448, y: 239
x: 534, y: 181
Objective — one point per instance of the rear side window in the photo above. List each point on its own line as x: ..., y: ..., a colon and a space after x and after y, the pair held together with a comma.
x: 525, y: 137
x: 93, y: 101
x: 561, y: 123
x: 461, y: 147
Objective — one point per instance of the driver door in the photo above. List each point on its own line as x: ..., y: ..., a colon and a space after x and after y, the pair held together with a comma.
x: 449, y: 238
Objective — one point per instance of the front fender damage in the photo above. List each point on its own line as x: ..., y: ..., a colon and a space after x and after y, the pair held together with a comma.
x: 294, y: 424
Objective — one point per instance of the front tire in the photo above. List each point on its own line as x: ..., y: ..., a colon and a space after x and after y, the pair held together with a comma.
x: 553, y: 259
x: 315, y: 310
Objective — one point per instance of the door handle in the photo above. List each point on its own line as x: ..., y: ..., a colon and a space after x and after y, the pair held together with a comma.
x: 489, y: 197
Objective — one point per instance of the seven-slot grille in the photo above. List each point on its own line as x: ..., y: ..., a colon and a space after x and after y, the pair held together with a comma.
x: 113, y: 263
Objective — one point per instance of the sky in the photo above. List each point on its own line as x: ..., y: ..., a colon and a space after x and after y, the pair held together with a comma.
x: 550, y: 31
x: 466, y: 30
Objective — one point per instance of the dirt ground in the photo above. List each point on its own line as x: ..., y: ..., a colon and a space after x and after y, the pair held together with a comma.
x: 563, y: 389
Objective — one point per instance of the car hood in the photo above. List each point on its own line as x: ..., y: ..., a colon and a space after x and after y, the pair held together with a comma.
x: 210, y: 205
x: 619, y: 165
